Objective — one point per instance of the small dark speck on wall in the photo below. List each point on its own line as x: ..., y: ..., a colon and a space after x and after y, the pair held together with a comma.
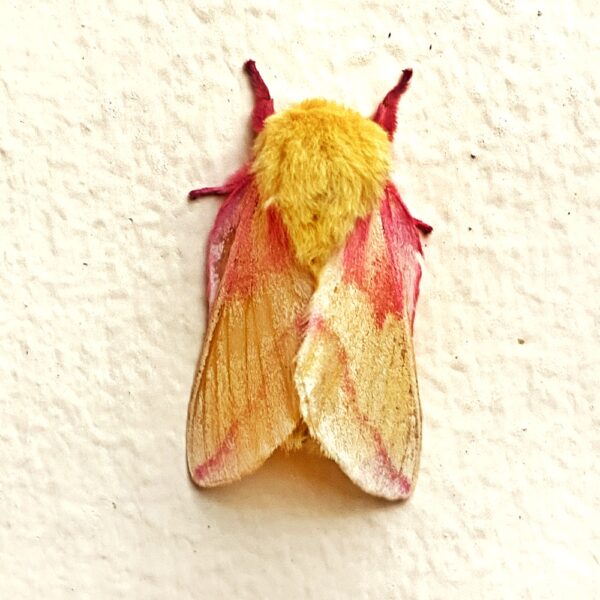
x: 521, y: 341
x: 430, y: 46
x: 389, y: 35
x: 473, y: 156
x: 539, y: 13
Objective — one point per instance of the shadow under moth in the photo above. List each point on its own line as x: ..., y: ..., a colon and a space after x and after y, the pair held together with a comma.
x: 313, y: 278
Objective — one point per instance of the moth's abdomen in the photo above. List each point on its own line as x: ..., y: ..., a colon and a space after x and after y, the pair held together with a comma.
x: 323, y: 166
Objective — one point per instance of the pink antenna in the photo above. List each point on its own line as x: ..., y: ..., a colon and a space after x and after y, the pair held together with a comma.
x: 385, y: 115
x: 263, y: 103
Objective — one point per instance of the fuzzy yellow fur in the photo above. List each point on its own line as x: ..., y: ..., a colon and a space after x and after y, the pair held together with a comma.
x: 323, y: 166
x: 299, y: 439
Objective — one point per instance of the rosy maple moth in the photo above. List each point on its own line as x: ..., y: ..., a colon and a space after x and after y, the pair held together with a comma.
x: 312, y: 281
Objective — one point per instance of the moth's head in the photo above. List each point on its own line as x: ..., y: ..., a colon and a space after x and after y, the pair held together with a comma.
x: 320, y: 151
x: 322, y: 165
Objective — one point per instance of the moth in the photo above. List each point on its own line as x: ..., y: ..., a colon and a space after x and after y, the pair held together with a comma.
x: 312, y: 282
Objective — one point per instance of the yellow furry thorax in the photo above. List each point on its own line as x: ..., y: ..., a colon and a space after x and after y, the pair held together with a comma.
x: 323, y: 166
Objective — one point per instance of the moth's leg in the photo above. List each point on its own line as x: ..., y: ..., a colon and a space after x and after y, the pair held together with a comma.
x: 220, y: 190
x: 233, y: 182
x: 422, y: 226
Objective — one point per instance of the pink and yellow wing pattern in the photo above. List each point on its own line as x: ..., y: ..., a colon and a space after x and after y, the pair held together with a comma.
x: 355, y: 371
x: 243, y: 403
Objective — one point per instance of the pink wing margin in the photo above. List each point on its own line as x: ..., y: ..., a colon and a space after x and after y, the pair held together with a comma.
x: 222, y: 233
x: 394, y: 284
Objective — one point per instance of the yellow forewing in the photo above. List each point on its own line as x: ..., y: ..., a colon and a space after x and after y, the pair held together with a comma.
x: 356, y: 372
x: 244, y: 403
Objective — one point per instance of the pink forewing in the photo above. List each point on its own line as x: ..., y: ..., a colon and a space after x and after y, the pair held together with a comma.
x: 391, y: 278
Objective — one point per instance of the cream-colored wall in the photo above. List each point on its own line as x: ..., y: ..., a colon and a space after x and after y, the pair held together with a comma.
x: 110, y: 114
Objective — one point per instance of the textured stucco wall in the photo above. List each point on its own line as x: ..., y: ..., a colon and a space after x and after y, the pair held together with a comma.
x: 110, y: 113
